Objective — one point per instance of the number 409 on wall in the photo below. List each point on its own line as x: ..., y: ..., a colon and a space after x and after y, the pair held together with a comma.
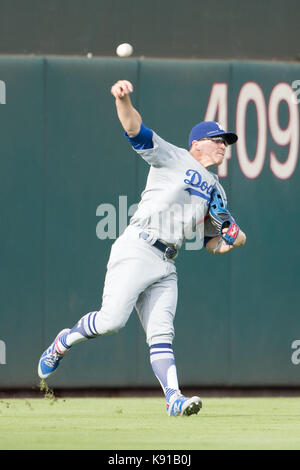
x: 267, y: 118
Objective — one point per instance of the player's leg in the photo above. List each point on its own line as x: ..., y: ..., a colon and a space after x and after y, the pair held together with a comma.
x: 126, y: 278
x: 156, y: 308
x: 130, y: 270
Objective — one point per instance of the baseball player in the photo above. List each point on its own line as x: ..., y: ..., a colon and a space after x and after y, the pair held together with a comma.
x: 180, y: 197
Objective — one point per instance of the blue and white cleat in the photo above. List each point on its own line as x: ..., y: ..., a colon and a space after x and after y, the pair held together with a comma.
x: 51, y: 358
x: 183, y: 406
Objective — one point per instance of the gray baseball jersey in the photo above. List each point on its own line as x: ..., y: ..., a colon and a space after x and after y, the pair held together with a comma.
x: 175, y: 201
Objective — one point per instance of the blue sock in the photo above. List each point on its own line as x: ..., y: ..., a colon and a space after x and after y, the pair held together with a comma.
x: 164, y: 367
x: 83, y: 330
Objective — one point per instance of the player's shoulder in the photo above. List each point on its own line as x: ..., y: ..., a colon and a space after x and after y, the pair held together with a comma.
x: 218, y: 185
x: 160, y: 141
x: 214, y: 175
x: 216, y: 179
x: 165, y: 153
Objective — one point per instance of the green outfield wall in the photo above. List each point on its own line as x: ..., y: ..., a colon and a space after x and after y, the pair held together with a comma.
x: 66, y: 166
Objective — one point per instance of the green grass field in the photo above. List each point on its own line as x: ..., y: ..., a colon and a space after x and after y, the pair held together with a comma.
x: 142, y: 423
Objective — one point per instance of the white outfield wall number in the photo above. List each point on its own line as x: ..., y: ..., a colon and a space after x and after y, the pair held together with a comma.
x: 2, y: 352
x: 267, y: 121
x: 2, y: 92
x: 295, y: 358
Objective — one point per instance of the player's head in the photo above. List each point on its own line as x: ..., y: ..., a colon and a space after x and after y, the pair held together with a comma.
x: 209, y: 129
x: 208, y: 142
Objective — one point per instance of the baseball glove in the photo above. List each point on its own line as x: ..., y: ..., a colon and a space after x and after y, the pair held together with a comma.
x: 222, y: 219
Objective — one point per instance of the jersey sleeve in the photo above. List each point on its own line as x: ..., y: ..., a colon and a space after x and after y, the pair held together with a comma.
x: 143, y: 140
x: 153, y: 149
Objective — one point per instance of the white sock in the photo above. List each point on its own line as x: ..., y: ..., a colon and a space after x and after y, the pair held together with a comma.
x: 164, y: 367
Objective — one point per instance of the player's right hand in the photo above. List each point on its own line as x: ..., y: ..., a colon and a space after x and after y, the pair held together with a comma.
x: 121, y: 88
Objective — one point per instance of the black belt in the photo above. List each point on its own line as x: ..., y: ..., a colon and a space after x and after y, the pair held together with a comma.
x: 169, y: 252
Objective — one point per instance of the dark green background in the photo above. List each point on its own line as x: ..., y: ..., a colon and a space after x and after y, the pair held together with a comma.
x: 190, y: 29
x: 63, y: 154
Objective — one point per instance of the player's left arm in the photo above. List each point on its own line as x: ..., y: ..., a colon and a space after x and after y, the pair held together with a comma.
x: 218, y: 246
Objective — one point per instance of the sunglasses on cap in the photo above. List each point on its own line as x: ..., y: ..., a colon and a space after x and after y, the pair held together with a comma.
x: 218, y: 140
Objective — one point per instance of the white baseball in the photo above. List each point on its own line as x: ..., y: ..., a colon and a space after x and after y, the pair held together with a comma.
x: 124, y: 50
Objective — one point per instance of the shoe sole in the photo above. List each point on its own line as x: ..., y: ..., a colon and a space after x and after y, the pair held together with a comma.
x: 40, y: 373
x: 192, y: 406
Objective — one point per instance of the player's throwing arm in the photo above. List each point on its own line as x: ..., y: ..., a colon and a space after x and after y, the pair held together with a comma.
x: 129, y: 117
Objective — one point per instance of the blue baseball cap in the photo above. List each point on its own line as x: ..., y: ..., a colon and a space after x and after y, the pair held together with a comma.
x: 207, y: 129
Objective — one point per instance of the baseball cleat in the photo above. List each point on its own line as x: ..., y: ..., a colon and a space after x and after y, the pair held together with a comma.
x: 50, y: 359
x: 183, y: 406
